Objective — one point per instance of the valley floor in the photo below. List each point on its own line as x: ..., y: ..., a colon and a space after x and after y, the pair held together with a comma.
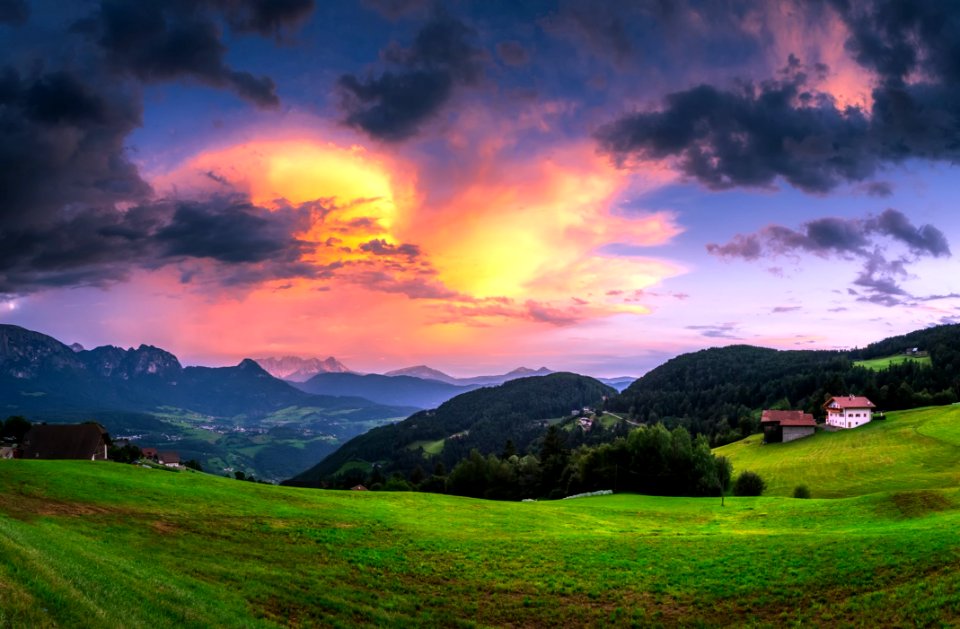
x: 109, y: 545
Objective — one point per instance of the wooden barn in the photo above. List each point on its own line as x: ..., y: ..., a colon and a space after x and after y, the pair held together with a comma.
x: 65, y: 441
x: 784, y: 426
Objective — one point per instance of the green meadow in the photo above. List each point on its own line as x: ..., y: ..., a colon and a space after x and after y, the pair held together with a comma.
x: 877, y: 364
x: 916, y: 449
x: 110, y: 545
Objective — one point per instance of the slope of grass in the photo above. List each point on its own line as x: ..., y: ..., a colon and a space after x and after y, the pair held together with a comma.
x: 915, y: 449
x: 101, y: 544
x: 877, y: 364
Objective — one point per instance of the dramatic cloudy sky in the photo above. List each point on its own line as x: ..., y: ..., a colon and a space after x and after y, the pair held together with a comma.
x: 583, y: 184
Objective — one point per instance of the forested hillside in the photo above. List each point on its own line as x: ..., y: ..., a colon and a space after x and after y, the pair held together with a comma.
x: 719, y: 392
x: 485, y: 419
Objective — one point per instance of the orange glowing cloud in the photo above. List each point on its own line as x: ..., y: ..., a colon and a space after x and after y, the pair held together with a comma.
x: 517, y: 242
x: 532, y: 230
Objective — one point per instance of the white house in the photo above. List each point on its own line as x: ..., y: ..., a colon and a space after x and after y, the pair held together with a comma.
x: 848, y: 411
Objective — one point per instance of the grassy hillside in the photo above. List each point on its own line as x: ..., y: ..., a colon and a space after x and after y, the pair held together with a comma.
x: 101, y: 544
x: 484, y: 419
x: 876, y: 364
x: 917, y: 449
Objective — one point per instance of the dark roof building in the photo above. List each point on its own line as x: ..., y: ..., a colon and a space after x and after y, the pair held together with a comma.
x: 783, y: 426
x: 65, y: 441
x: 169, y: 459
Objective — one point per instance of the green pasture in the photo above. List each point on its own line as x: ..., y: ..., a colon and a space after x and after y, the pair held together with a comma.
x: 433, y: 448
x: 915, y: 449
x: 877, y: 364
x: 110, y: 545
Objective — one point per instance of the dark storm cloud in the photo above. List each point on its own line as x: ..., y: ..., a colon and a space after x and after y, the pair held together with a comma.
x: 394, y: 9
x: 100, y: 246
x: 879, y: 189
x: 62, y: 144
x: 14, y: 11
x: 783, y: 128
x: 921, y: 240
x: 233, y: 234
x: 749, y: 137
x: 161, y: 41
x: 74, y: 209
x: 381, y: 247
x: 393, y: 105
x: 266, y: 17
x: 878, y: 281
x: 512, y: 53
x: 721, y: 331
x: 601, y: 26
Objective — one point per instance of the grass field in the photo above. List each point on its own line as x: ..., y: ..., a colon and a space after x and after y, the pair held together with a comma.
x: 916, y: 449
x: 109, y: 545
x: 882, y: 363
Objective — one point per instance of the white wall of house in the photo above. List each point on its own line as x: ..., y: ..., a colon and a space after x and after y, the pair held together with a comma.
x: 848, y: 417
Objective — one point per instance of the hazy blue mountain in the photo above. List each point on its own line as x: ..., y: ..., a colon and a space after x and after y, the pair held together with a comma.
x: 394, y: 390
x: 429, y: 373
x: 619, y: 383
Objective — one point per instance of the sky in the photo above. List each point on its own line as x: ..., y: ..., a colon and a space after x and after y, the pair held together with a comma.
x: 588, y: 185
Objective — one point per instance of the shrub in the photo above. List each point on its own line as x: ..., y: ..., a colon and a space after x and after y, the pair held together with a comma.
x: 749, y: 484
x: 801, y: 491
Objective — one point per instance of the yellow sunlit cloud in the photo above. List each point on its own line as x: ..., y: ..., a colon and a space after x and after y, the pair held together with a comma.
x: 521, y: 241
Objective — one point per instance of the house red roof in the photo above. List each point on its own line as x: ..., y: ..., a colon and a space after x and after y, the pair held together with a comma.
x: 788, y: 418
x: 849, y: 401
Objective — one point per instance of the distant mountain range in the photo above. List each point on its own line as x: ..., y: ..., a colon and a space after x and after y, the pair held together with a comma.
x: 429, y: 373
x: 394, y: 390
x: 201, y: 411
x: 428, y: 390
x: 296, y: 369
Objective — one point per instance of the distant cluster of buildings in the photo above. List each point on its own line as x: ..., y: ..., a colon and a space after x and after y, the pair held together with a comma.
x: 843, y: 412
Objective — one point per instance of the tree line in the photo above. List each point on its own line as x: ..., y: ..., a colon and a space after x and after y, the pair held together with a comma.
x: 649, y: 460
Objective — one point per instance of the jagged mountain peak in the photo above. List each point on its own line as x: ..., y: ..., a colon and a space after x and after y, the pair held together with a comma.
x: 300, y: 369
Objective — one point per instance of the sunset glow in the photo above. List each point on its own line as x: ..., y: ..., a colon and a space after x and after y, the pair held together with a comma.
x: 478, y: 189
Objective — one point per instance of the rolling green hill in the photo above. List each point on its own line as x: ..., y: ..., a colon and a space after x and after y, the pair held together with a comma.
x: 108, y: 545
x: 916, y: 449
x: 877, y: 364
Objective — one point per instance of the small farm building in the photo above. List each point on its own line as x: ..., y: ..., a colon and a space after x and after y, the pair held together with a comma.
x: 65, y: 441
x: 170, y: 459
x: 783, y: 426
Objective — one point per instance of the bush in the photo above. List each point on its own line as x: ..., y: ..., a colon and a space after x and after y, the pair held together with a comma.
x: 801, y: 491
x: 749, y: 484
